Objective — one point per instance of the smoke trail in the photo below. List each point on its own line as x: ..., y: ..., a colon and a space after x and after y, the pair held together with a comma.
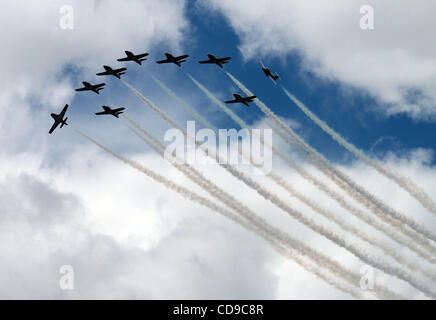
x: 382, y: 266
x: 217, y: 102
x: 305, y: 174
x: 359, y: 213
x: 260, y: 231
x: 363, y: 256
x: 187, y: 107
x: 152, y: 106
x: 313, y: 205
x: 233, y: 203
x: 354, y: 189
x: 388, y: 250
x: 402, y: 181
x: 398, y: 272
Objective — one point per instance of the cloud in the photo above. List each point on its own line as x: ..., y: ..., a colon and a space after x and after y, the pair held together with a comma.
x: 160, y: 256
x: 64, y: 202
x: 41, y: 60
x: 128, y: 237
x: 395, y: 62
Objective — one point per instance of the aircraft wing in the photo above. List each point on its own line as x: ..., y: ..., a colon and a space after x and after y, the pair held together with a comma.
x: 182, y: 57
x: 163, y: 61
x: 105, y: 73
x: 124, y: 59
x: 142, y: 55
x: 206, y: 61
x: 64, y: 110
x: 99, y: 85
x: 53, y: 127
x: 231, y: 101
x: 103, y: 112
x: 119, y: 70
x: 81, y: 89
x: 224, y: 59
x: 117, y: 110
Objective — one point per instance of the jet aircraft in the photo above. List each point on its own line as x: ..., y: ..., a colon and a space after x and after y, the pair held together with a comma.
x: 108, y: 110
x: 59, y: 119
x: 240, y: 99
x: 138, y: 58
x: 218, y: 61
x: 176, y: 60
x: 268, y: 72
x: 91, y: 87
x: 112, y: 72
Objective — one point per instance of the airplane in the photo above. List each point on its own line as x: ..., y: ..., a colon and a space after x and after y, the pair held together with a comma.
x: 239, y: 99
x: 108, y: 110
x: 218, y: 61
x: 175, y: 60
x: 91, y: 87
x: 268, y: 72
x: 59, y: 119
x: 112, y: 72
x: 132, y: 57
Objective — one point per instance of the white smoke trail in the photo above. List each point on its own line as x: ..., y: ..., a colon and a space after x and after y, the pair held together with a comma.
x: 305, y: 174
x: 412, y: 245
x: 398, y: 272
x: 354, y: 189
x: 152, y: 106
x: 187, y: 107
x: 310, y: 223
x: 233, y: 203
x: 404, y: 182
x: 388, y: 250
x: 352, y: 248
x: 260, y: 231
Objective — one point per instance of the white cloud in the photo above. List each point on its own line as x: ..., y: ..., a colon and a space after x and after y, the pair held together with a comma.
x: 36, y: 52
x: 128, y: 237
x: 395, y: 62
x: 64, y: 202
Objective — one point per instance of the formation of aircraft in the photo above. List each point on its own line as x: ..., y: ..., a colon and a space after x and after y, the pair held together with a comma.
x: 91, y: 87
x: 59, y: 119
x: 240, y: 99
x: 112, y: 72
x: 218, y: 61
x: 171, y: 59
x: 268, y: 72
x: 138, y: 58
x: 108, y: 110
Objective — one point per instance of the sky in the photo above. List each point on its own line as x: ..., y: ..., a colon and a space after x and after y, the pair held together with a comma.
x: 63, y: 201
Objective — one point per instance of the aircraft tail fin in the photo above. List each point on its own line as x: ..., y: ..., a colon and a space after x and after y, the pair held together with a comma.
x: 64, y: 122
